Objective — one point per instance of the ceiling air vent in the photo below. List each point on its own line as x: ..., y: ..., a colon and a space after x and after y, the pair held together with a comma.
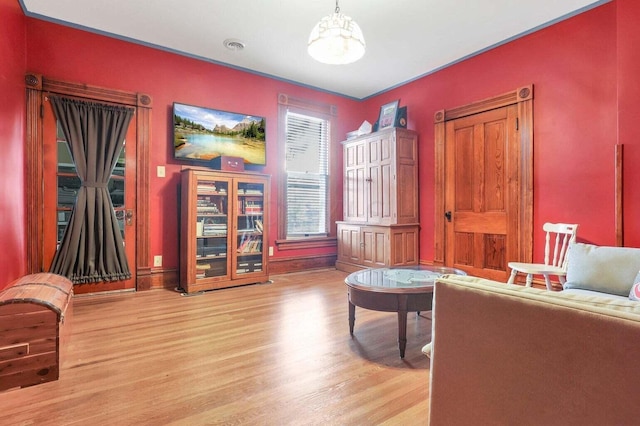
x: 233, y: 44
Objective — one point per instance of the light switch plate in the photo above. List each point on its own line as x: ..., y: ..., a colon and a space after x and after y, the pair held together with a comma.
x: 157, y: 260
x: 161, y: 171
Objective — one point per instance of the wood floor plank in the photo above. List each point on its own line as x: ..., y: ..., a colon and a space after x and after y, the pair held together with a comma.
x: 267, y: 354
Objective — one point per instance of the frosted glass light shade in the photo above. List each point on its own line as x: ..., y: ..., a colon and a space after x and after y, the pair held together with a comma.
x: 336, y: 40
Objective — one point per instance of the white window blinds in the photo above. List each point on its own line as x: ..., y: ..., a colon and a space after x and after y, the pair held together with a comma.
x: 307, y: 171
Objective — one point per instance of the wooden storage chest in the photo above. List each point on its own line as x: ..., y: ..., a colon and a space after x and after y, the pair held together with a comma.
x: 34, y: 326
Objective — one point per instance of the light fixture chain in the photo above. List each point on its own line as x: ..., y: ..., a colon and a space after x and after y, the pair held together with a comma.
x: 337, y: 7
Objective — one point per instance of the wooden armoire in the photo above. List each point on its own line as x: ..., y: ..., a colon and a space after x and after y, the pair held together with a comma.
x: 381, y: 224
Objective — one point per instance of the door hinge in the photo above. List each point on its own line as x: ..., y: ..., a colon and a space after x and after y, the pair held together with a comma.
x: 41, y: 111
x: 517, y: 124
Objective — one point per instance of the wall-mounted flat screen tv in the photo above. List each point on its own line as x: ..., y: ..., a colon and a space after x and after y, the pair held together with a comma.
x: 203, y: 134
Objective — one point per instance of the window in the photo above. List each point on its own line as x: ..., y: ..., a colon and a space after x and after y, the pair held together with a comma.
x: 307, y: 175
x: 306, y: 185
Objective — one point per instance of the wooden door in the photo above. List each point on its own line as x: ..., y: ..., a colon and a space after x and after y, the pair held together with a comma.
x: 60, y: 184
x: 478, y: 200
x: 484, y: 184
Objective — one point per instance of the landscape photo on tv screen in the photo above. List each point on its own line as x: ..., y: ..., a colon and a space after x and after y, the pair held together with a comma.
x: 203, y: 134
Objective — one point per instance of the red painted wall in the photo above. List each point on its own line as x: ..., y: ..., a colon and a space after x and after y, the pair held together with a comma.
x: 628, y: 40
x: 575, y: 71
x: 12, y: 111
x: 584, y: 70
x: 64, y: 53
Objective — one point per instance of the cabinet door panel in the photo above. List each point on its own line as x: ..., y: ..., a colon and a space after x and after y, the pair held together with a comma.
x: 406, y: 153
x: 404, y: 246
x: 388, y: 194
x: 248, y: 244
x: 381, y: 205
x: 211, y: 229
x: 374, y: 199
x: 406, y: 196
x: 355, y: 182
x: 375, y: 247
x: 349, y: 247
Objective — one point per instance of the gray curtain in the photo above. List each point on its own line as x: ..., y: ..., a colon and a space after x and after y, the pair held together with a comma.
x: 92, y: 248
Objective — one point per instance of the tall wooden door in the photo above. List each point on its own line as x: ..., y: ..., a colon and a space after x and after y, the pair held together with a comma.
x: 478, y: 200
x: 60, y: 186
x: 483, y: 186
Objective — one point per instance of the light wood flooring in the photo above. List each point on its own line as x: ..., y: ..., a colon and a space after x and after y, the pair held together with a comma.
x: 265, y: 354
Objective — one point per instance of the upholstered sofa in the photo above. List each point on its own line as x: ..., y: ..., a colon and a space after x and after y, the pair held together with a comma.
x: 511, y: 355
x: 602, y: 271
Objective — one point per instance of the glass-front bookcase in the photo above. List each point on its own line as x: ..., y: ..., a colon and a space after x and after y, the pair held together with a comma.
x: 223, y: 229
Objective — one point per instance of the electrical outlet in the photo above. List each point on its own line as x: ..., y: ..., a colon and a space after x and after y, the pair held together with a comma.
x: 270, y: 250
x: 157, y: 260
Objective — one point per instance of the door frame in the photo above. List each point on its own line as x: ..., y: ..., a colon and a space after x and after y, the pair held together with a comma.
x: 36, y: 88
x: 523, y: 97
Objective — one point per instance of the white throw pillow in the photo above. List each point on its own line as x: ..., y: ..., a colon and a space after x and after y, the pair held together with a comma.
x: 634, y: 294
x: 602, y: 268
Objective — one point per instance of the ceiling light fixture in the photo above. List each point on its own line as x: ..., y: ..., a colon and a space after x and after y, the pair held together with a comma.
x: 336, y: 40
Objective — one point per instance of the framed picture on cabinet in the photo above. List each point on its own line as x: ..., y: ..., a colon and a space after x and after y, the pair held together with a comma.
x: 388, y: 114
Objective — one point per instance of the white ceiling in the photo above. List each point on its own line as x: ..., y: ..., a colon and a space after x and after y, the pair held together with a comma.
x: 406, y: 39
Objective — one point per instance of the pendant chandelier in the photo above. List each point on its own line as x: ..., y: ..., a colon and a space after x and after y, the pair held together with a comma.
x: 336, y: 40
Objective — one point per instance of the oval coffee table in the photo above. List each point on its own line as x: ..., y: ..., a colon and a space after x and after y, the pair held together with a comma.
x: 398, y: 290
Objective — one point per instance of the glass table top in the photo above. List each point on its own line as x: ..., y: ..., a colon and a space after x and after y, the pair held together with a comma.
x: 396, y: 278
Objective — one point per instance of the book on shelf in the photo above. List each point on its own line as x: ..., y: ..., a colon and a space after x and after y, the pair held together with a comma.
x: 251, y: 207
x: 249, y: 189
x: 214, y: 229
x: 250, y: 266
x: 212, y: 252
x: 206, y: 186
x: 211, y: 269
x: 208, y: 209
x: 250, y: 244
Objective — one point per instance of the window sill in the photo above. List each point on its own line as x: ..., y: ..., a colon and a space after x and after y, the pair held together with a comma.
x: 306, y: 243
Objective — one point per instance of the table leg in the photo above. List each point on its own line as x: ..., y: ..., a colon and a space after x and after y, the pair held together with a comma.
x: 352, y: 317
x: 402, y: 331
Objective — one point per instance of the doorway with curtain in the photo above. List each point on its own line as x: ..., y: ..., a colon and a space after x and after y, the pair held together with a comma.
x: 90, y: 196
x: 88, y: 185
